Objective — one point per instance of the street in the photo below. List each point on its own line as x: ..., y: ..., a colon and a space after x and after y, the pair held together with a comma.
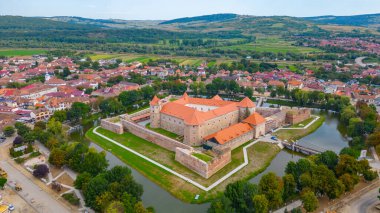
x: 39, y: 200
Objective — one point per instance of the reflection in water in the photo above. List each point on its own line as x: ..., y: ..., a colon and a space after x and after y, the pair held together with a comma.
x: 278, y: 164
x: 154, y: 196
x: 327, y: 136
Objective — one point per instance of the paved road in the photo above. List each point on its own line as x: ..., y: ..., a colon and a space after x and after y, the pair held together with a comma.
x: 364, y: 203
x: 359, y: 61
x: 43, y: 201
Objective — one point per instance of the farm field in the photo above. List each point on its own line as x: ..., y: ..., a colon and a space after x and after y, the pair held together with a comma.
x: 261, y: 154
x: 21, y: 52
x: 272, y: 44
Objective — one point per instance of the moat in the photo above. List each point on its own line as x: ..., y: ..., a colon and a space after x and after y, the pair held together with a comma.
x: 326, y: 136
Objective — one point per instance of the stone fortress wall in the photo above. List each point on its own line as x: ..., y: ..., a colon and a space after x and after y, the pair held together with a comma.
x: 154, y: 137
x: 111, y: 125
x: 204, y: 169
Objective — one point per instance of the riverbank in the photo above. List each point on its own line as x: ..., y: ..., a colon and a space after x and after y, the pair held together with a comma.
x: 260, y: 156
x: 296, y: 134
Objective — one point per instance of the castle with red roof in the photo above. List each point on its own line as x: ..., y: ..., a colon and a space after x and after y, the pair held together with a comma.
x: 208, y: 121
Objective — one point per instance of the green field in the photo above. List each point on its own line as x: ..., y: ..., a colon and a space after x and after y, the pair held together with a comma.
x: 260, y: 156
x: 272, y: 44
x: 296, y: 134
x: 21, y: 52
x: 163, y: 132
x: 203, y: 157
x: 303, y: 123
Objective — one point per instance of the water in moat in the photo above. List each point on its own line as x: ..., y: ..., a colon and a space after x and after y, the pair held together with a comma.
x: 327, y: 136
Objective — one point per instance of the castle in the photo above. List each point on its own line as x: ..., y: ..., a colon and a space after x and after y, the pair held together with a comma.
x: 215, y: 124
x: 208, y: 121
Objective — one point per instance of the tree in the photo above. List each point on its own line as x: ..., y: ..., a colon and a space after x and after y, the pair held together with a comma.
x: 240, y: 194
x: 350, y: 151
x: 370, y: 175
x: 328, y: 158
x: 3, y: 181
x: 289, y: 186
x: 95, y: 187
x: 271, y: 186
x: 9, y: 131
x: 40, y: 125
x: 260, y: 204
x: 222, y: 205
x: 57, y: 157
x: 55, y: 127
x: 18, y: 141
x: 78, y: 111
x: 94, y: 162
x: 60, y: 115
x: 373, y: 139
x: 82, y: 180
x: 309, y: 201
x: 115, y: 207
x: 41, y: 171
x: 348, y: 181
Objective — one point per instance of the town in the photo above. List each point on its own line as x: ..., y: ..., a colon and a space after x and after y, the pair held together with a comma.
x: 212, y: 113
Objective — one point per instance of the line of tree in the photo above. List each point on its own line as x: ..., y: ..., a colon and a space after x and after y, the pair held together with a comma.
x: 325, y: 174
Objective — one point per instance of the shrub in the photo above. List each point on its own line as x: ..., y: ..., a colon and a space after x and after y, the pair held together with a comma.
x: 15, y: 154
x: 20, y: 160
x: 28, y: 149
x: 369, y: 175
x: 9, y: 131
x: 71, y: 198
x: 41, y: 171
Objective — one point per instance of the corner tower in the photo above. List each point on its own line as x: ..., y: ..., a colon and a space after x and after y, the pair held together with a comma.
x: 155, y: 108
x: 246, y: 108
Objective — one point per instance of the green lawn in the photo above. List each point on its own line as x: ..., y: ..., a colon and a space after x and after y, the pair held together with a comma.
x: 295, y: 134
x: 260, y: 156
x: 205, y: 158
x: 303, y: 123
x: 163, y: 132
x: 21, y: 52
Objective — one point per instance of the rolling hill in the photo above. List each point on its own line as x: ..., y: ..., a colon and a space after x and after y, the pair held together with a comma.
x: 368, y: 20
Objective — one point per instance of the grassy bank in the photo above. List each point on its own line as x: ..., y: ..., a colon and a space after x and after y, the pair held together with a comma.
x: 260, y: 156
x: 163, y: 132
x: 295, y: 134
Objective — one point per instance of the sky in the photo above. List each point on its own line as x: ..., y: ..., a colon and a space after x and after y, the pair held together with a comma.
x: 170, y: 9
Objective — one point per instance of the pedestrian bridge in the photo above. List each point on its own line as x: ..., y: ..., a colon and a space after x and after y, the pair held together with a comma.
x: 302, y: 149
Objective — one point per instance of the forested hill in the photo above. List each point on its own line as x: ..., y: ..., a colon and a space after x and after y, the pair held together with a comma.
x: 37, y: 24
x: 205, y: 18
x: 369, y: 20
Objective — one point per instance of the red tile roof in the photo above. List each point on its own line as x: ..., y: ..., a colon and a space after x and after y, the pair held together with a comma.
x: 254, y: 119
x: 230, y: 133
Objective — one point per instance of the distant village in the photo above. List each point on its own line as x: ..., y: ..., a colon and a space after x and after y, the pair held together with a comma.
x: 38, y: 101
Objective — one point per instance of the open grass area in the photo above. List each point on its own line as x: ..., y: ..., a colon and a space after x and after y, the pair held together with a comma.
x: 271, y: 44
x: 303, y: 123
x: 260, y: 156
x: 21, y: 52
x: 138, y: 110
x: 205, y: 158
x: 163, y: 132
x: 295, y: 134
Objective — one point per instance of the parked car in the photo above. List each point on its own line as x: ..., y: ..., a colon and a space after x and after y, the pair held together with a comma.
x: 273, y: 138
x: 2, y: 139
x: 11, y: 207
